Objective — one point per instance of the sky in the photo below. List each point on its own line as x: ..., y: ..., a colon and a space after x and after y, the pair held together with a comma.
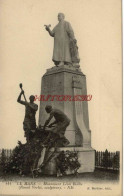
x: 26, y: 52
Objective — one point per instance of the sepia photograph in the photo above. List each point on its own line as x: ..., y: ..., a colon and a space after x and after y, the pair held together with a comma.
x: 61, y: 97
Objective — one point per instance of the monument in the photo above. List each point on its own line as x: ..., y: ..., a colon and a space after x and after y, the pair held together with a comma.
x: 64, y: 87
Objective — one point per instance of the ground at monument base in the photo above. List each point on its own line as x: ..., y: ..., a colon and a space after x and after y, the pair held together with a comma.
x: 98, y: 176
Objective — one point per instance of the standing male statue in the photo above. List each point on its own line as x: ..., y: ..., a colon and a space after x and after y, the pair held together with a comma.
x: 29, y: 124
x: 65, y: 47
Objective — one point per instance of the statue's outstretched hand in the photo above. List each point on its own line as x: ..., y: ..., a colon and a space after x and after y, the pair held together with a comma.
x: 47, y: 27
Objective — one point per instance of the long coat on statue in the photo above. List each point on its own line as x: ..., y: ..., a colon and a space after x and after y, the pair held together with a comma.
x: 62, y: 34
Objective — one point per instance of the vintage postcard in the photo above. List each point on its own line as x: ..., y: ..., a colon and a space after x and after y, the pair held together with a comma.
x: 61, y: 97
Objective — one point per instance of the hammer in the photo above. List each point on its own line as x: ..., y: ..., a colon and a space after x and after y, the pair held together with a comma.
x: 20, y: 85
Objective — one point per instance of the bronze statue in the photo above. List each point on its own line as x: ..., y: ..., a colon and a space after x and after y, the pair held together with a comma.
x: 29, y: 124
x: 61, y: 123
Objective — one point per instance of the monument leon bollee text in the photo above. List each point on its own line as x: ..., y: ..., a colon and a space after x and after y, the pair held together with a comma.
x: 66, y: 78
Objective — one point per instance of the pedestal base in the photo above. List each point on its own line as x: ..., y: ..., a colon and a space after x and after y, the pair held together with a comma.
x: 86, y: 157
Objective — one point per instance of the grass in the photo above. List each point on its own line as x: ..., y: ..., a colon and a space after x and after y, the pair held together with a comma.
x: 98, y: 176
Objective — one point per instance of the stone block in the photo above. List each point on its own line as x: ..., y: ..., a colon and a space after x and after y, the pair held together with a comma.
x: 86, y: 157
x: 69, y: 81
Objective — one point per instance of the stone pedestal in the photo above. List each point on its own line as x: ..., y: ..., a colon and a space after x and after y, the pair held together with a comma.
x: 86, y: 158
x: 69, y: 82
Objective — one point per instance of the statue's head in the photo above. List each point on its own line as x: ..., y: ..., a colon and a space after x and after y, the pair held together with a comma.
x: 32, y: 98
x: 61, y: 16
x: 48, y: 108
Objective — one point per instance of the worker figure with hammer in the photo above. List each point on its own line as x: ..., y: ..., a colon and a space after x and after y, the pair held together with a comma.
x: 29, y: 124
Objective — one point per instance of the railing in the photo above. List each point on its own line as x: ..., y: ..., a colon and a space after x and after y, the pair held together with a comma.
x: 107, y: 160
x: 103, y: 160
x: 5, y: 154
